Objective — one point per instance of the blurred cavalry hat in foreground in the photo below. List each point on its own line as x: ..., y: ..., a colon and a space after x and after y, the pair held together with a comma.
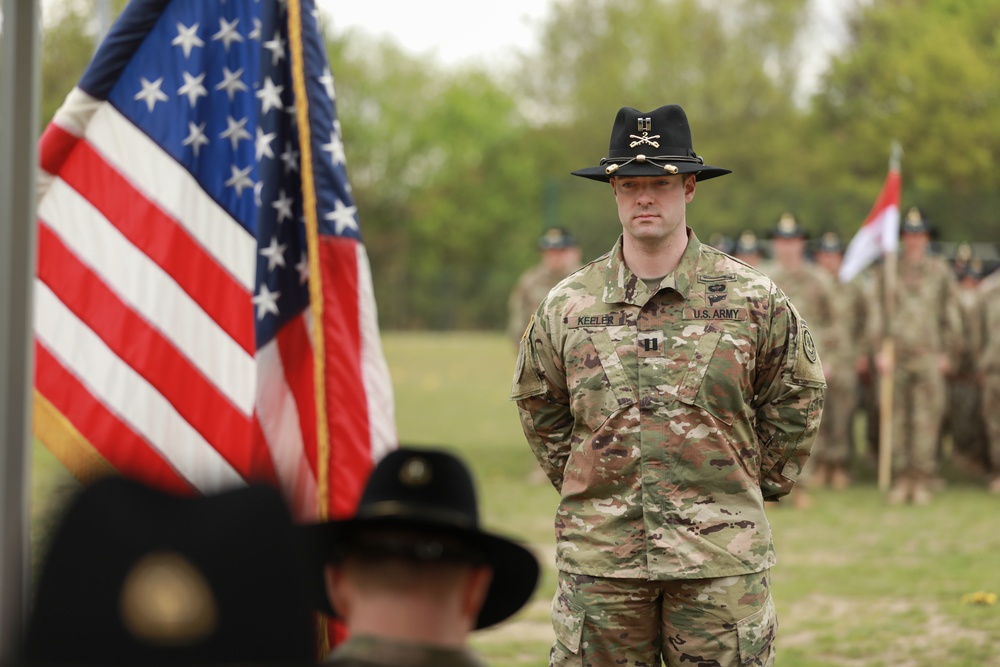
x: 134, y: 576
x: 830, y: 242
x: 915, y: 223
x: 556, y: 238
x: 430, y: 496
x: 788, y: 227
x: 651, y: 143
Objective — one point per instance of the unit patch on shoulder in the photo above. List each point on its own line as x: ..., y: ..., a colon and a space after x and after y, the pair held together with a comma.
x: 807, y: 368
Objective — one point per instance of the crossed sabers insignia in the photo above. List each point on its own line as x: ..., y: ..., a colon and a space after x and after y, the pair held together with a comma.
x: 644, y: 139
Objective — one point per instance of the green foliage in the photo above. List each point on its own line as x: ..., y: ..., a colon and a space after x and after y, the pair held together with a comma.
x: 457, y: 170
x: 443, y: 182
x: 922, y: 72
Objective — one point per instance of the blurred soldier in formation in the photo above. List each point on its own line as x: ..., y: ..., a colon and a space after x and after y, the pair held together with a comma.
x: 927, y: 328
x: 560, y: 257
x: 811, y: 290
x: 845, y: 361
x: 963, y: 420
x: 748, y: 249
x: 987, y: 322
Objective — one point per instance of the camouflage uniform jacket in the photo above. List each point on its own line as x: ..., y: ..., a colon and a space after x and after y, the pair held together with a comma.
x: 368, y: 651
x: 666, y: 419
x: 813, y: 292
x: 927, y: 317
x: 986, y: 320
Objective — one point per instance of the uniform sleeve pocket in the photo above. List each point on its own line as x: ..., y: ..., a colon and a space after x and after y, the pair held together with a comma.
x: 756, y: 634
x: 527, y: 382
x: 567, y: 621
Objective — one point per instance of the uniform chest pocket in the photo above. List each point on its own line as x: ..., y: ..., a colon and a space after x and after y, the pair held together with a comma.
x: 598, y: 384
x: 715, y: 375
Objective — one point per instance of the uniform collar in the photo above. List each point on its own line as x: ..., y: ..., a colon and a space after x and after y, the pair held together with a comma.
x: 623, y: 286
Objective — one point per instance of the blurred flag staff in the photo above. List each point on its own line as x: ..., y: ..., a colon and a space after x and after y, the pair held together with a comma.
x: 205, y: 315
x: 18, y: 130
x: 879, y: 237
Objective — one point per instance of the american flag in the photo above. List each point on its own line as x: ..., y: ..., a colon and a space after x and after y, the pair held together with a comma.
x: 204, y: 314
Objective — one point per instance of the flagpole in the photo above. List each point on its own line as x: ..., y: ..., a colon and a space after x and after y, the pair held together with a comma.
x: 888, y: 353
x: 18, y: 160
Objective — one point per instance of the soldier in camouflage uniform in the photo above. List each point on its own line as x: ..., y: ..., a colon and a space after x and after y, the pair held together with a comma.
x: 667, y: 390
x: 845, y: 360
x: 927, y: 328
x: 963, y: 420
x: 560, y: 257
x: 812, y: 291
x: 748, y: 250
x: 987, y: 322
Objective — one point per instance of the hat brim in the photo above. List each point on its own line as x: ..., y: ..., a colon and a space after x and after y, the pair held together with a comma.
x: 702, y: 172
x: 515, y: 568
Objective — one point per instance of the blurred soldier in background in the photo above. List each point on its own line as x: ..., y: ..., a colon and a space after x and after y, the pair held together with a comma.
x: 987, y: 322
x: 560, y: 257
x: 748, y: 249
x: 845, y: 361
x: 963, y: 420
x: 811, y: 290
x: 927, y: 329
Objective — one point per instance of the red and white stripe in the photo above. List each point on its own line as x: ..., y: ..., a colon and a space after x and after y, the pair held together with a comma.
x: 879, y: 235
x: 144, y: 320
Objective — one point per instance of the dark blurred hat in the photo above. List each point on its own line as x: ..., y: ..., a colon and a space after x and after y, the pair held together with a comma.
x: 651, y: 143
x: 747, y: 243
x: 555, y: 238
x: 830, y: 242
x: 430, y: 494
x: 915, y: 222
x: 722, y: 242
x: 134, y: 576
x: 973, y: 269
x: 788, y: 227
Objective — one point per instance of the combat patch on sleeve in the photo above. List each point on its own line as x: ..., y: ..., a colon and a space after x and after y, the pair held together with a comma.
x: 807, y: 369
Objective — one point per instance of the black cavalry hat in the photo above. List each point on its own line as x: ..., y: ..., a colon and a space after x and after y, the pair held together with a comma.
x: 915, y: 222
x: 788, y: 227
x: 830, y: 242
x: 651, y: 143
x: 429, y: 491
x: 136, y: 576
x: 555, y: 238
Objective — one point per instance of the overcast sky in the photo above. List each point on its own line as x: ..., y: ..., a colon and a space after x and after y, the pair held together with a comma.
x: 459, y: 31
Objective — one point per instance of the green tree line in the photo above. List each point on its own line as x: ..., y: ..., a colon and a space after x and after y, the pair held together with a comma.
x: 457, y: 170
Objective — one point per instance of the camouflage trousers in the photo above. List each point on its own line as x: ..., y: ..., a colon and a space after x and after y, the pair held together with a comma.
x: 918, y: 403
x: 991, y: 417
x: 605, y: 622
x: 833, y: 442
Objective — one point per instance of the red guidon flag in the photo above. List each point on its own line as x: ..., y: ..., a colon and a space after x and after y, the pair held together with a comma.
x: 879, y: 235
x: 204, y: 313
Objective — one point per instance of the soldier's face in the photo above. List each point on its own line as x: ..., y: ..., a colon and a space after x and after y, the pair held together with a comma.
x: 915, y: 244
x: 652, y: 208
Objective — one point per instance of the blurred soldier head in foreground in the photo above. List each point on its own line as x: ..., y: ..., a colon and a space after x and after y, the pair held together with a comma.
x: 135, y: 576
x: 412, y: 572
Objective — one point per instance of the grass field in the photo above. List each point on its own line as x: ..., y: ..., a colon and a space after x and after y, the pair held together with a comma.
x: 858, y: 583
